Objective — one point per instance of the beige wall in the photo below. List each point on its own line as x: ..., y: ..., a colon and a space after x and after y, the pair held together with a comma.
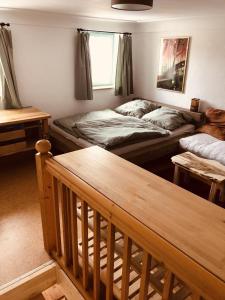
x: 44, y: 52
x: 206, y: 67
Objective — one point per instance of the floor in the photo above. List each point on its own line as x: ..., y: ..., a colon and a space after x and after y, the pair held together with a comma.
x: 166, y: 170
x: 21, y: 244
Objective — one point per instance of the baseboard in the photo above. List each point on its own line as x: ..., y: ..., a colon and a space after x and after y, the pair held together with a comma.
x: 30, y: 284
x: 66, y: 285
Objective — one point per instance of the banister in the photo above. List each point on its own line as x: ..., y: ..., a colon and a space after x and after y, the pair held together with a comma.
x: 201, y: 280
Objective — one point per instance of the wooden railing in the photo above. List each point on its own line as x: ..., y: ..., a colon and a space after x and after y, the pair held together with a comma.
x: 102, y: 224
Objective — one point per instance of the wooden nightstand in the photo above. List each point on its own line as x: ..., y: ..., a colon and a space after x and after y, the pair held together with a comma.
x: 21, y: 128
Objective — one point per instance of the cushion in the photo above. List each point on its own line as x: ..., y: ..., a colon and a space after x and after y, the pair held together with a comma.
x: 166, y: 118
x: 136, y: 108
x: 205, y: 145
x: 215, y: 123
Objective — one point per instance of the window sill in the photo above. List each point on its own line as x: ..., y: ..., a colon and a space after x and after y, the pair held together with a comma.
x: 103, y: 87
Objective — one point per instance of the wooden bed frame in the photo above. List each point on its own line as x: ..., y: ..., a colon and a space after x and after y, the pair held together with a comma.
x: 139, y: 156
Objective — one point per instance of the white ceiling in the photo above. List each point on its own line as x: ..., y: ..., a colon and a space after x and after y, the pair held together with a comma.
x: 163, y: 9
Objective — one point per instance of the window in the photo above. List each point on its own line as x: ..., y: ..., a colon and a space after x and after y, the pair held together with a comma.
x: 103, y: 52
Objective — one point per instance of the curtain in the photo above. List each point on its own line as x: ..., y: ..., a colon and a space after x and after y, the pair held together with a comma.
x: 83, y: 83
x: 124, y: 68
x: 9, y: 93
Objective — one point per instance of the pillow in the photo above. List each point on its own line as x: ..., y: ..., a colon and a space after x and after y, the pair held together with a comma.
x: 136, y: 108
x: 166, y: 118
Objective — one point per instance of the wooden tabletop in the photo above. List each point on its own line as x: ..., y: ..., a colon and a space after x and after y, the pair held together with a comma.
x: 188, y: 222
x: 207, y: 168
x: 14, y: 116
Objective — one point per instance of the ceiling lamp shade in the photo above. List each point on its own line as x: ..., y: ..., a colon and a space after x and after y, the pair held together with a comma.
x: 132, y: 4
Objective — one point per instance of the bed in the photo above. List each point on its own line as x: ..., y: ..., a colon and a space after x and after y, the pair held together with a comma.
x: 146, y: 142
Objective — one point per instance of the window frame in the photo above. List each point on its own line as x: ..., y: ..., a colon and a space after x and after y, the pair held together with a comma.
x: 115, y: 39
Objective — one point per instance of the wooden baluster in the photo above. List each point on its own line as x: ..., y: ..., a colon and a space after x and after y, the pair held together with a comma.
x: 97, y: 240
x: 45, y: 195
x: 84, y: 225
x: 126, y: 267
x: 196, y: 296
x: 74, y: 233
x: 168, y: 285
x: 110, y: 260
x: 55, y: 196
x: 145, y: 276
x: 66, y: 225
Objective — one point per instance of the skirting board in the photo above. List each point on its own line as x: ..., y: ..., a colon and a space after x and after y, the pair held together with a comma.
x: 30, y: 284
x: 35, y: 282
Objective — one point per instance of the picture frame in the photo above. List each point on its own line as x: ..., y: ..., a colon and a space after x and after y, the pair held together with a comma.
x: 173, y: 61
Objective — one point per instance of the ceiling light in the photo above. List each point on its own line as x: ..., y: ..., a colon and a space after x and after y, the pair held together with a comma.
x: 132, y: 4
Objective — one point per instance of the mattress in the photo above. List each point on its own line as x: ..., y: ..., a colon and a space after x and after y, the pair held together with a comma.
x: 205, y: 145
x: 123, y: 149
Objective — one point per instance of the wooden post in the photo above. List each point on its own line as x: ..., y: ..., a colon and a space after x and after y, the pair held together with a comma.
x: 45, y: 195
x: 145, y: 276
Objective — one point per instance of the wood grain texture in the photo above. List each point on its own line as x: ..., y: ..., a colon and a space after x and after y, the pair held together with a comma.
x: 46, y: 202
x: 145, y: 276
x: 137, y: 192
x: 74, y: 232
x: 210, y: 169
x: 15, y: 116
x: 130, y: 198
x: 96, y: 270
x: 110, y: 261
x: 126, y: 268
x: 168, y: 286
x: 84, y: 225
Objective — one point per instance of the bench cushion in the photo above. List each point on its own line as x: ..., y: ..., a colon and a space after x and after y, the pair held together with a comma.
x: 205, y: 146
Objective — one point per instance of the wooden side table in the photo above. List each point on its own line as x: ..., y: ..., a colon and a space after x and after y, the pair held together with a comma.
x: 21, y: 128
x: 208, y: 171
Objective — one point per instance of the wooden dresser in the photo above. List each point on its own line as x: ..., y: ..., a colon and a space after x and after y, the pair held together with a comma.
x: 21, y: 128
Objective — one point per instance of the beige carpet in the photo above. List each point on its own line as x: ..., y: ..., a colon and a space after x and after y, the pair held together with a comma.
x: 21, y: 244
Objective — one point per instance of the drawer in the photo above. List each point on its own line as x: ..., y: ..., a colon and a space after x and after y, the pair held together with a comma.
x: 12, y: 148
x: 12, y: 135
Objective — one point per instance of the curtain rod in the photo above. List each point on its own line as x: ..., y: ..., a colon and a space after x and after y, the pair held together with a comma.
x: 80, y: 29
x: 4, y: 24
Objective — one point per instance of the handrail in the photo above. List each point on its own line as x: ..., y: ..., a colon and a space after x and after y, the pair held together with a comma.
x: 148, y: 263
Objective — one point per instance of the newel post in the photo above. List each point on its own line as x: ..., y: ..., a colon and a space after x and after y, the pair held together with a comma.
x: 45, y: 194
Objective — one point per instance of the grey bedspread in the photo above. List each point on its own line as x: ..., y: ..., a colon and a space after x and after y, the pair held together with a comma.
x: 115, y: 130
x: 67, y: 123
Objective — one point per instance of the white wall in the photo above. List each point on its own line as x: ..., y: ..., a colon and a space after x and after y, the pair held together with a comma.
x: 44, y: 53
x: 206, y: 67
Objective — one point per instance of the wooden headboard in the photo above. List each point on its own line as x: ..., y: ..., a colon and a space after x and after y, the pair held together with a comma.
x: 197, y: 116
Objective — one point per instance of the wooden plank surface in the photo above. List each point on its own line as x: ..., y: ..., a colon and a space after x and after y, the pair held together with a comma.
x: 14, y: 116
x: 183, y: 219
x: 207, y: 168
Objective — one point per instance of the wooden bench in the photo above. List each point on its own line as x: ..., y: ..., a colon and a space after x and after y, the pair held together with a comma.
x: 208, y: 171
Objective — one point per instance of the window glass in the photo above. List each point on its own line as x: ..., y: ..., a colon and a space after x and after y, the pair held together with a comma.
x: 103, y: 52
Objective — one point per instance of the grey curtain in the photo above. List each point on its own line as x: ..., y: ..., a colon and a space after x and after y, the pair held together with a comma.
x: 9, y: 97
x: 124, y: 68
x: 83, y: 79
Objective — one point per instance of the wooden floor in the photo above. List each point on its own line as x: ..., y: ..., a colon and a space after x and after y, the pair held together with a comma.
x: 21, y: 244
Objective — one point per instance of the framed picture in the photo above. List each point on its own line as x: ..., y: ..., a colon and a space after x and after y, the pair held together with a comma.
x: 173, y: 63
